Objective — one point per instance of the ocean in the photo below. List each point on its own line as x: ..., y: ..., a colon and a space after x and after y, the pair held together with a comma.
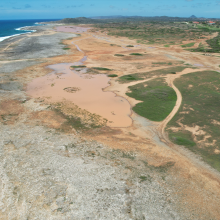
x: 9, y: 28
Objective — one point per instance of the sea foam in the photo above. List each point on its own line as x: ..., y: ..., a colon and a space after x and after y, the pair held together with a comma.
x: 18, y: 29
x: 14, y: 35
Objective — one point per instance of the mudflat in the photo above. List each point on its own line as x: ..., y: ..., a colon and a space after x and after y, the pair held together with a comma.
x: 71, y: 145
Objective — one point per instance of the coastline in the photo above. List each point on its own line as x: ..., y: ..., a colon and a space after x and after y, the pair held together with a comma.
x: 7, y: 37
x: 28, y: 29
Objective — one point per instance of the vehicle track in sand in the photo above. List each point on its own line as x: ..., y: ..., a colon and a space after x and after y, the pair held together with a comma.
x: 170, y: 81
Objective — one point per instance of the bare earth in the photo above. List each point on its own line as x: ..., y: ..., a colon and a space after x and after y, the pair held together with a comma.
x: 125, y: 170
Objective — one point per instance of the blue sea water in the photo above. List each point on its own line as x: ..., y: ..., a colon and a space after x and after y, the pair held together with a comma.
x: 9, y: 28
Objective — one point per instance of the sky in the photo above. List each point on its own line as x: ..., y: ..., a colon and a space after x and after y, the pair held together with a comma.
x: 53, y: 9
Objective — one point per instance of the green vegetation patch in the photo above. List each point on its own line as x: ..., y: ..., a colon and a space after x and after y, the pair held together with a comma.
x: 144, y: 178
x: 214, y: 46
x: 162, y: 63
x: 136, y: 54
x: 128, y: 78
x: 146, y: 75
x: 166, y: 45
x: 158, y: 99
x: 74, y: 122
x: 112, y: 75
x: 66, y: 48
x: 182, y: 139
x: 159, y: 32
x: 77, y: 118
x: 101, y: 68
x: 119, y: 55
x: 81, y: 66
x: 188, y: 45
x: 200, y: 107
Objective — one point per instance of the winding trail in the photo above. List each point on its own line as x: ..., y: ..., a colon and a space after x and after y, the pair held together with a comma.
x: 170, y: 81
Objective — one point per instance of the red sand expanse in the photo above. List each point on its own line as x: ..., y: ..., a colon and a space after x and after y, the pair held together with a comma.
x: 89, y: 96
x: 73, y: 29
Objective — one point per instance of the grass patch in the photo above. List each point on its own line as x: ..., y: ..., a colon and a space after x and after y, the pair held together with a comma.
x: 101, y: 68
x: 130, y: 46
x: 128, y: 78
x: 162, y: 63
x: 202, y: 102
x: 214, y: 46
x: 182, y: 139
x: 112, y: 75
x: 74, y: 122
x: 146, y: 75
x: 77, y: 118
x: 158, y: 99
x: 188, y: 45
x: 115, y: 45
x: 119, y: 55
x: 158, y: 32
x: 144, y: 178
x: 81, y: 66
x: 66, y: 48
x: 136, y: 54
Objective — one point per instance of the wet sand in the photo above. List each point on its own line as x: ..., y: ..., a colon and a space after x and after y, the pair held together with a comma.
x: 84, y: 90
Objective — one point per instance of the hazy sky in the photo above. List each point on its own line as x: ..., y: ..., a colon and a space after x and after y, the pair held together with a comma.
x: 19, y: 9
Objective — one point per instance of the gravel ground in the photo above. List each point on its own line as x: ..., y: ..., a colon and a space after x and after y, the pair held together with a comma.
x: 47, y: 175
x: 37, y: 47
x: 16, y: 65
